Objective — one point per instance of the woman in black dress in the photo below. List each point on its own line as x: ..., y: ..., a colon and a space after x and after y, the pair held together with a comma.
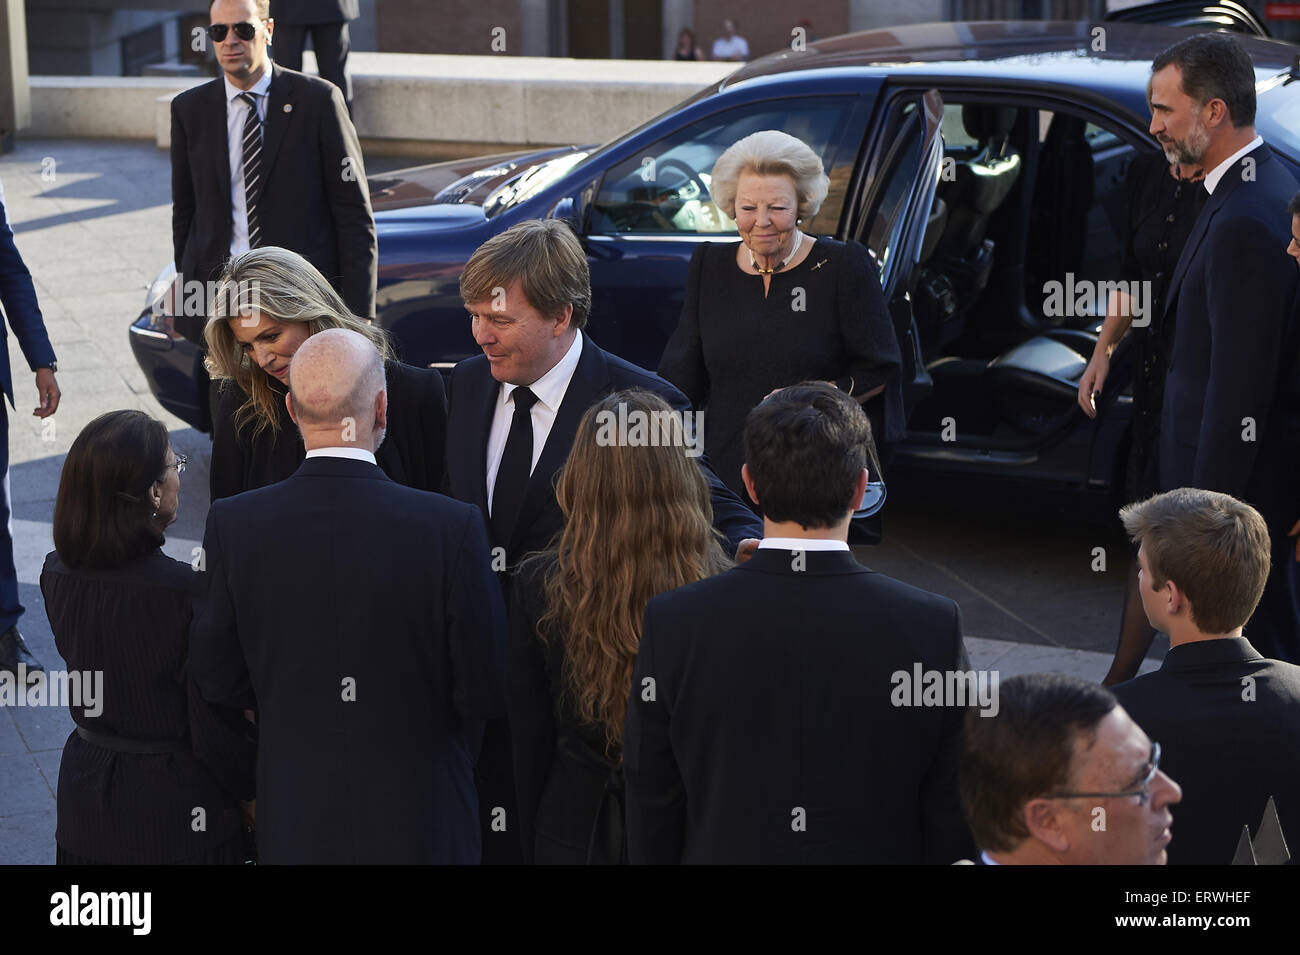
x: 1164, y: 199
x: 779, y: 307
x: 637, y: 523
x: 152, y: 774
x: 269, y: 302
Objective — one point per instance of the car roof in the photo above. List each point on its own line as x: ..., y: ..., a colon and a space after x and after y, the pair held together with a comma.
x: 1028, y: 51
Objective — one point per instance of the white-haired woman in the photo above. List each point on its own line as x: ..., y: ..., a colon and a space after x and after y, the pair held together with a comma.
x: 780, y: 306
x: 269, y: 301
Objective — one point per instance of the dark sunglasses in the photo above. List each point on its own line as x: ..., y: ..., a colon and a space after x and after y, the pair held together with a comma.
x: 245, y: 31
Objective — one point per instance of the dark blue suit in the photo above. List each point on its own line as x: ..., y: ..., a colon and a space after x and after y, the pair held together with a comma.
x: 472, y: 396
x: 335, y: 583
x: 1232, y: 293
x: 18, y: 296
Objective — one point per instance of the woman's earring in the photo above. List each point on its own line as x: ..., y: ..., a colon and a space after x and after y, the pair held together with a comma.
x: 154, y: 514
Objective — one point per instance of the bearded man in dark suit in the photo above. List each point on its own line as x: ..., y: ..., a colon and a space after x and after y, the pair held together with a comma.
x: 1230, y: 297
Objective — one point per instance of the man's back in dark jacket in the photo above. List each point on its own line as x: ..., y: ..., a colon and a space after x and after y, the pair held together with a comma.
x: 363, y: 619
x: 1228, y: 723
x: 767, y: 731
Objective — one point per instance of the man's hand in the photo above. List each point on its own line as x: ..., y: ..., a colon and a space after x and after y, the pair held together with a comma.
x: 746, y: 549
x: 1293, y: 532
x: 1091, y: 381
x: 47, y: 390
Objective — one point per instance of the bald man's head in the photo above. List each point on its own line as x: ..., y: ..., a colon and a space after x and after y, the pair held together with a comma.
x: 336, y: 380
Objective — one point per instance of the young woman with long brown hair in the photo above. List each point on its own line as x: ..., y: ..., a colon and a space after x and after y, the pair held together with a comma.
x: 638, y: 522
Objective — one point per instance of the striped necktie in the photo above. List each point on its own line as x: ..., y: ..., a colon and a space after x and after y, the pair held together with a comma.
x: 252, y: 168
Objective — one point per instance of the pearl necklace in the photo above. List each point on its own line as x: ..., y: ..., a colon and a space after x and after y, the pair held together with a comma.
x: 780, y: 265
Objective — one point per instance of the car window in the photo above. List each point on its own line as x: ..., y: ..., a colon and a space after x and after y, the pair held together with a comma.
x: 898, y: 170
x: 664, y: 188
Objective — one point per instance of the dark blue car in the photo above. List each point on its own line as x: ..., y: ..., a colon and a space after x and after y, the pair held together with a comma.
x: 982, y: 164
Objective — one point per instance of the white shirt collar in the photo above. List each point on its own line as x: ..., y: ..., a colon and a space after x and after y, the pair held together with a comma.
x: 261, y: 88
x: 1218, y: 172
x: 356, y: 454
x: 550, y: 388
x: 987, y: 859
x: 799, y: 543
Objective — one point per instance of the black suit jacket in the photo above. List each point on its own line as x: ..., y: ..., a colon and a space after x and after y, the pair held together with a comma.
x: 1232, y: 292
x: 412, y: 452
x: 314, y: 198
x: 472, y: 396
x: 338, y: 581
x: 772, y: 694
x: 1227, y: 751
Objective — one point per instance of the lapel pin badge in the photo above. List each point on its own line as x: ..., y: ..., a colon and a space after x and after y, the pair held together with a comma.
x: 288, y: 107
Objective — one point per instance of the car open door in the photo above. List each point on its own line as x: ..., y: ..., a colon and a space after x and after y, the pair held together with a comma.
x: 903, y: 164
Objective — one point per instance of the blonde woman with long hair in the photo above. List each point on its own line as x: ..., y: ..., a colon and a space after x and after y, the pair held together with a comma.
x: 638, y: 522
x: 268, y: 302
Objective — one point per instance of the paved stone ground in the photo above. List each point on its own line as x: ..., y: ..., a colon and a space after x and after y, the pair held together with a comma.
x: 92, y: 219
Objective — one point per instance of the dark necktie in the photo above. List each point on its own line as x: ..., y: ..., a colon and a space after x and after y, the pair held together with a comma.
x: 516, y: 463
x: 252, y: 168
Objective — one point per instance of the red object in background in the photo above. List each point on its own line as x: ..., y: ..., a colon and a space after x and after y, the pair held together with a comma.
x: 1282, y: 11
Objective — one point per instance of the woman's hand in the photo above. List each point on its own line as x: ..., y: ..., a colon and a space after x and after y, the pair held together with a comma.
x: 1094, y: 376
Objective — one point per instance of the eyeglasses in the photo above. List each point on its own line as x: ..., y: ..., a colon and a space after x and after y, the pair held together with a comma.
x: 1144, y: 785
x: 245, y: 31
x: 179, y: 463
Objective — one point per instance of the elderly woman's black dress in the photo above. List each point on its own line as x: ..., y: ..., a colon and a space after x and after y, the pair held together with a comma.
x: 154, y: 777
x: 824, y: 319
x: 412, y: 453
x: 1162, y: 211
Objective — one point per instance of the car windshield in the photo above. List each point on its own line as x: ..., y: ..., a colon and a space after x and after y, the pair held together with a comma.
x: 530, y: 182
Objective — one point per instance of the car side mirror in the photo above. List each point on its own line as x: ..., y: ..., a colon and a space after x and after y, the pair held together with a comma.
x: 567, y: 209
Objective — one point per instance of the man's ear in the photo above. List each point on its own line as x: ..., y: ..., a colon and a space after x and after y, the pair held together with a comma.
x: 1176, y: 601
x: 860, y: 490
x: 381, y: 410
x: 288, y: 403
x: 563, y: 320
x: 1044, y: 819
x: 749, y: 482
x: 1218, y: 113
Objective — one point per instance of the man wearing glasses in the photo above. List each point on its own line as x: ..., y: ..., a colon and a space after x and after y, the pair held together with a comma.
x: 1063, y: 776
x: 267, y: 156
x: 1228, y: 716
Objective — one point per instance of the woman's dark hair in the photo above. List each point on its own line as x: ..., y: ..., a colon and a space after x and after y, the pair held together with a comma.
x: 103, y: 516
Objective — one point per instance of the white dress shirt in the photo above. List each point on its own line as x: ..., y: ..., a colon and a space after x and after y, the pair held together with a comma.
x: 1214, y: 175
x: 356, y: 454
x: 799, y: 543
x: 549, y: 389
x: 236, y: 116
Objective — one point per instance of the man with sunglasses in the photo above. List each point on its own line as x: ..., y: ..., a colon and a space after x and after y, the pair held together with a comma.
x: 1228, y: 716
x: 265, y: 156
x: 1061, y: 775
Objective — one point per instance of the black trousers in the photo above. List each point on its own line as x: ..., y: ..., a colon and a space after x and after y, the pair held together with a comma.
x: 331, y: 43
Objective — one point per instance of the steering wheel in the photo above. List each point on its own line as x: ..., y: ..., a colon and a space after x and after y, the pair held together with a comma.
x: 690, y: 174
